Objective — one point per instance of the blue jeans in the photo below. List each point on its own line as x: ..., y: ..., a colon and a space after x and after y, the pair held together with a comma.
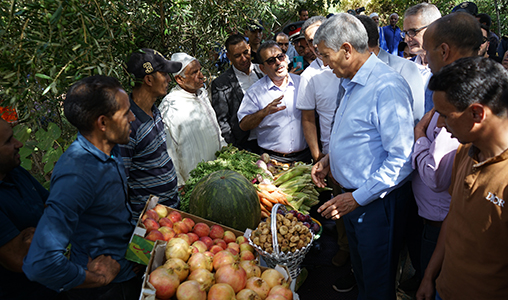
x: 438, y: 297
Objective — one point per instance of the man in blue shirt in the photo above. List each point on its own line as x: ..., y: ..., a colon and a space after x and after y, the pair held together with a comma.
x: 88, y: 205
x: 369, y: 155
x: 392, y: 35
x: 150, y: 170
x: 21, y: 207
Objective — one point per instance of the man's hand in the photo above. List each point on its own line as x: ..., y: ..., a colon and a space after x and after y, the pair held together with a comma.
x: 273, y: 106
x: 13, y: 252
x: 426, y: 290
x: 294, y: 71
x: 338, y: 206
x: 104, y: 269
x: 319, y: 171
x: 421, y: 127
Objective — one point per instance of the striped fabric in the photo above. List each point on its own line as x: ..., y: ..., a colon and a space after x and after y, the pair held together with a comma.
x: 148, y: 167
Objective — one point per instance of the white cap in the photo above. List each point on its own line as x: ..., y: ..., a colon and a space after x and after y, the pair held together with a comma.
x: 371, y: 16
x: 184, y: 58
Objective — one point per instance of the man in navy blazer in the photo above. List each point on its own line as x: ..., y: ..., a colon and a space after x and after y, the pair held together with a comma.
x: 228, y: 90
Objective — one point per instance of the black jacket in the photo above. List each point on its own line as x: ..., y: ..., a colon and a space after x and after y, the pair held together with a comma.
x: 226, y: 98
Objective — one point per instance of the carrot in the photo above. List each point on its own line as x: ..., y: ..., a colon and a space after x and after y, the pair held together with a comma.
x: 266, y: 202
x: 269, y: 197
x: 264, y: 214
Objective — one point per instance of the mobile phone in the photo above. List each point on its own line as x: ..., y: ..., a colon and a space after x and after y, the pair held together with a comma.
x: 298, y: 63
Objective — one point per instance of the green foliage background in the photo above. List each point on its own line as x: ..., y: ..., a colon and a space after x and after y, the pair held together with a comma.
x: 47, y: 45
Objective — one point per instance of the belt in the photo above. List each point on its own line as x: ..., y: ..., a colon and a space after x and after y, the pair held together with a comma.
x: 288, y: 155
x: 437, y: 224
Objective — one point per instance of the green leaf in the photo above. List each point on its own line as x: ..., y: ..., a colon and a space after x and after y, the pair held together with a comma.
x: 26, y: 163
x: 25, y: 152
x: 42, y: 76
x: 22, y: 133
x: 56, y: 16
x: 45, y: 140
x: 54, y: 132
x: 9, y: 75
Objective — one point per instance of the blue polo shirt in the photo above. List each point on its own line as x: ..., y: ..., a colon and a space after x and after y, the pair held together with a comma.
x: 149, y: 168
x: 87, y: 207
x: 21, y: 206
x: 392, y: 38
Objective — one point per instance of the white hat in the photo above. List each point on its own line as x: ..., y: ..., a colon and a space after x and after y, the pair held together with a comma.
x: 184, y: 58
x: 371, y: 16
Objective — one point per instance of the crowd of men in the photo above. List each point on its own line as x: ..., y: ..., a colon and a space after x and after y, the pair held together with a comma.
x: 414, y: 150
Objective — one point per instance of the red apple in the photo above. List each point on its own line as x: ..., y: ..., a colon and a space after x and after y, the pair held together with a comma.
x: 247, y: 255
x: 232, y: 251
x: 229, y: 237
x: 155, y: 235
x: 152, y: 214
x: 174, y: 216
x: 241, y: 239
x: 215, y: 249
x: 216, y: 232
x: 189, y: 223
x: 161, y: 210
x: 200, y: 246
x: 165, y: 222
x: 221, y: 243
x: 193, y: 237
x: 234, y: 246
x: 201, y: 229
x: 246, y: 246
x: 207, y: 240
x: 151, y: 224
x: 167, y: 232
x: 180, y: 227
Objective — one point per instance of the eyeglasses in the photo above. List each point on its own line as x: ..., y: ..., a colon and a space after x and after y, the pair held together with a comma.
x: 484, y: 39
x: 271, y: 60
x: 412, y: 32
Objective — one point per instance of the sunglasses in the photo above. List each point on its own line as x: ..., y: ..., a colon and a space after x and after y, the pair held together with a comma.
x: 281, y: 57
x: 412, y: 32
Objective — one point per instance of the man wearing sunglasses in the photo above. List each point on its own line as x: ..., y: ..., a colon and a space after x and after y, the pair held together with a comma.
x: 269, y: 108
x: 416, y: 20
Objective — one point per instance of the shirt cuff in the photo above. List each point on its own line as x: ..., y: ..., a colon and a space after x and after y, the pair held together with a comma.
x: 363, y: 196
x: 421, y: 144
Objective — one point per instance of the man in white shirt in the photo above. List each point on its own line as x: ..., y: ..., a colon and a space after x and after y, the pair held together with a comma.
x: 229, y: 88
x: 416, y: 20
x: 269, y: 108
x: 193, y: 134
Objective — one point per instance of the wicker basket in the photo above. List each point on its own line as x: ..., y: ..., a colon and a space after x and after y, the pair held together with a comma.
x: 291, y: 260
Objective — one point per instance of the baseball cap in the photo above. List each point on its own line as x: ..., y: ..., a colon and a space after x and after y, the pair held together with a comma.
x: 468, y: 7
x: 146, y: 61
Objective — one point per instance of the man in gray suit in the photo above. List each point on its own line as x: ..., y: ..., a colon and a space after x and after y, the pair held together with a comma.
x: 404, y: 67
x: 228, y: 90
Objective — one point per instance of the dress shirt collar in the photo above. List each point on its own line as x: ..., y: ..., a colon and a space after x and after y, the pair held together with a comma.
x: 139, y: 113
x: 88, y: 146
x: 241, y: 73
x: 363, y: 73
x: 270, y: 85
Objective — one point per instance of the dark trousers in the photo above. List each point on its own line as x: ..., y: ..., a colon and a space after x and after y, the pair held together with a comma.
x: 429, y: 236
x: 375, y: 234
x: 127, y: 290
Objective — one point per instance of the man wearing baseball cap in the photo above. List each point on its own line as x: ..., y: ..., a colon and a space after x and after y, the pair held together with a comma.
x: 149, y: 172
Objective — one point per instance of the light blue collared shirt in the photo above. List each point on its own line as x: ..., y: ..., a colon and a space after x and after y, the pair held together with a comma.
x: 372, y: 135
x: 282, y: 131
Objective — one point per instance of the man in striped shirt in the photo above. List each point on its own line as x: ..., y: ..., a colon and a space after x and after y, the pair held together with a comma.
x: 148, y: 167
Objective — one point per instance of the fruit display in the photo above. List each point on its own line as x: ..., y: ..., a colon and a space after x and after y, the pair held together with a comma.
x: 186, y: 271
x: 226, y: 197
x: 292, y: 235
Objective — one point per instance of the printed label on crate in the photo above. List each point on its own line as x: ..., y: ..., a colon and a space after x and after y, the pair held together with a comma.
x: 139, y: 250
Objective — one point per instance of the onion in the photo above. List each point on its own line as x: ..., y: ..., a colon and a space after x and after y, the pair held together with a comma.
x: 190, y: 290
x: 247, y: 294
x: 261, y: 164
x: 178, y: 248
x: 205, y: 278
x: 259, y: 286
x: 265, y: 157
x: 232, y: 275
x: 178, y: 266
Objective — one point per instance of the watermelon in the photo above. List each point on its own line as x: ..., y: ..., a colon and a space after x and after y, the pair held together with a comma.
x: 228, y: 198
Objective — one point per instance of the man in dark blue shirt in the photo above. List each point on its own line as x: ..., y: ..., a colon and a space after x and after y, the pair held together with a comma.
x: 88, y: 205
x: 392, y: 35
x: 21, y: 207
